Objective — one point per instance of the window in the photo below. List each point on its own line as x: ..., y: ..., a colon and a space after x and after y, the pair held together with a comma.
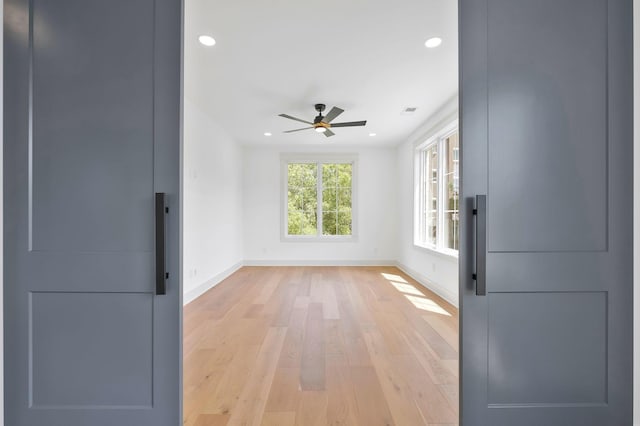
x: 437, y: 219
x: 319, y: 198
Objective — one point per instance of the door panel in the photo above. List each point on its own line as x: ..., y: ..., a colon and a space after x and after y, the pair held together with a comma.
x: 92, y: 132
x: 72, y: 332
x: 546, y: 128
x: 525, y: 363
x: 547, y: 113
x: 99, y: 203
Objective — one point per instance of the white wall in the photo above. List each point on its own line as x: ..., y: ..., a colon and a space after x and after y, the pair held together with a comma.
x: 436, y: 270
x: 212, y: 206
x: 375, y: 215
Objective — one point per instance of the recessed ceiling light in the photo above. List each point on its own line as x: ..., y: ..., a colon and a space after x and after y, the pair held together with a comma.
x: 433, y: 42
x: 267, y: 133
x: 207, y: 40
x: 372, y: 134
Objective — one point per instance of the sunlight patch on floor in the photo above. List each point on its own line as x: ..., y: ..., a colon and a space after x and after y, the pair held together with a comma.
x: 427, y: 305
x: 406, y: 288
x: 393, y: 277
x: 415, y: 296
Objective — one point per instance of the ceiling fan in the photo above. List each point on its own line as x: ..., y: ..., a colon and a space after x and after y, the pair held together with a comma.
x: 323, y: 124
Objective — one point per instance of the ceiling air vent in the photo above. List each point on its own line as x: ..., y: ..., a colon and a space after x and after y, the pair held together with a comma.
x: 408, y: 110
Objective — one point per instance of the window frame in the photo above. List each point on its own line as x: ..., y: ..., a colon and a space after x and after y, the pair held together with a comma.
x: 437, y: 139
x: 318, y: 159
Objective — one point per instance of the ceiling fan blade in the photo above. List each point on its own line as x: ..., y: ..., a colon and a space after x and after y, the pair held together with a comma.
x: 335, y: 111
x: 328, y: 133
x: 294, y: 118
x: 350, y: 124
x: 297, y: 130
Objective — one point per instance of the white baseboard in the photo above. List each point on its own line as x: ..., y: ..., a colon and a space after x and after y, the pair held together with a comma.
x: 430, y: 284
x: 192, y: 295
x: 337, y: 262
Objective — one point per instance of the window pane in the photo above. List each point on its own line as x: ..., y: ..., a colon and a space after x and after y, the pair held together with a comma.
x: 294, y: 176
x: 329, y: 175
x: 452, y: 182
x: 428, y: 197
x: 302, y: 199
x: 329, y: 199
x: 344, y: 197
x: 344, y: 221
x: 309, y: 200
x: 344, y: 175
x: 329, y: 223
x: 336, y: 199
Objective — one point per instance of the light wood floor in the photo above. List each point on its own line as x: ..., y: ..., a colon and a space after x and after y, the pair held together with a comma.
x: 320, y: 346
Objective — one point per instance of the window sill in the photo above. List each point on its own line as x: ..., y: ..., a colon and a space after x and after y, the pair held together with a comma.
x: 315, y: 239
x: 447, y: 254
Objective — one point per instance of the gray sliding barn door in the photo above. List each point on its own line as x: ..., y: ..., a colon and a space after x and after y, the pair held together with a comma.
x: 91, y: 133
x: 547, y: 123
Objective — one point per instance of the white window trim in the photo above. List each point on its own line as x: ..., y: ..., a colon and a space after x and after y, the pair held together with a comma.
x: 315, y: 158
x: 435, y: 138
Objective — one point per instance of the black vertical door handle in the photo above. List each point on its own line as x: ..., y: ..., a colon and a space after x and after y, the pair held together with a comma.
x: 161, y: 245
x: 480, y: 212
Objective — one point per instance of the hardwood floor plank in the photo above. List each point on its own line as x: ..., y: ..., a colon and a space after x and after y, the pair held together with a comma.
x: 196, y: 397
x: 312, y: 371
x: 211, y: 420
x: 342, y: 407
x: 301, y: 302
x: 432, y: 403
x: 281, y: 317
x: 354, y: 344
x: 331, y: 311
x: 304, y: 288
x: 255, y: 310
x: 279, y: 419
x: 444, y: 328
x: 334, y: 341
x: 437, y: 369
x: 250, y: 406
x: 268, y: 288
x: 232, y: 383
x: 285, y: 390
x: 312, y: 409
x: 372, y: 404
x: 291, y: 355
x: 397, y: 391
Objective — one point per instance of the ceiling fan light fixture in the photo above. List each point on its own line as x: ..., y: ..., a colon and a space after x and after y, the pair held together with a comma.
x: 320, y: 129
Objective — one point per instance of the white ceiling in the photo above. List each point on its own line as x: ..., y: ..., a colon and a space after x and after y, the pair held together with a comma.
x: 283, y: 56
